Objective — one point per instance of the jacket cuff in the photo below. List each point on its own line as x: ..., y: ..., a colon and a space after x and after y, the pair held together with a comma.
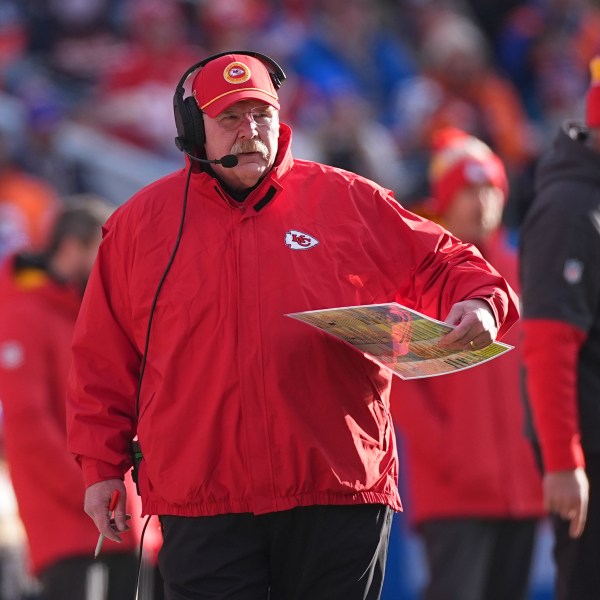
x: 97, y: 470
x: 562, y: 454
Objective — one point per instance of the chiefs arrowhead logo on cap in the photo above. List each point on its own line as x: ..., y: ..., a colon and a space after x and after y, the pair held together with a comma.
x: 231, y: 78
x: 236, y: 72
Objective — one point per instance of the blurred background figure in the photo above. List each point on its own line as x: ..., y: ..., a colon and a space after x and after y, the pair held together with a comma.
x: 134, y: 99
x: 560, y: 258
x: 350, y: 49
x: 27, y: 203
x: 352, y: 138
x: 69, y: 41
x: 460, y: 86
x: 39, y: 152
x: 40, y: 295
x: 544, y: 47
x: 346, y: 88
x: 15, y: 581
x: 474, y: 491
x: 230, y: 24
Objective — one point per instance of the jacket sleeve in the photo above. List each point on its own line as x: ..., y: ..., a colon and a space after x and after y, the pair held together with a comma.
x: 102, y: 384
x: 560, y: 290
x: 550, y: 351
x: 33, y: 425
x: 445, y: 271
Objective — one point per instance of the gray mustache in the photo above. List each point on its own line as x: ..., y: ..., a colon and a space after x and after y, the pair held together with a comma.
x: 250, y: 146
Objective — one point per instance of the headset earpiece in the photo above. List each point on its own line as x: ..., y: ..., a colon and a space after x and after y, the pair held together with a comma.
x: 198, y: 134
x: 189, y: 123
x: 275, y: 77
x: 188, y: 116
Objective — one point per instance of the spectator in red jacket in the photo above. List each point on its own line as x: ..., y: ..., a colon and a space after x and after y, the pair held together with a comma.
x: 40, y: 297
x: 475, y: 491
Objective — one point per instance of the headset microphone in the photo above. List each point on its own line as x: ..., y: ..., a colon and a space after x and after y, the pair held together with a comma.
x: 228, y: 161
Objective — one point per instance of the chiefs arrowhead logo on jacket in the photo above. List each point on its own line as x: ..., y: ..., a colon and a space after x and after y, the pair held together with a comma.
x: 297, y: 240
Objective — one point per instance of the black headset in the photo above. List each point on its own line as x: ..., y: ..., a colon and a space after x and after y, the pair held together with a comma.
x: 188, y: 116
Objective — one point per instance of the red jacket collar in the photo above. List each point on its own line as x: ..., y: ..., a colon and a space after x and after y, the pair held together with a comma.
x: 270, y: 185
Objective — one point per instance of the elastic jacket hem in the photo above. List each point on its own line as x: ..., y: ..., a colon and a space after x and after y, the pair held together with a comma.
x: 207, y: 509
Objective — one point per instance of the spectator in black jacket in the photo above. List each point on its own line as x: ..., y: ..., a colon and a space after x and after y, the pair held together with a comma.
x: 560, y: 254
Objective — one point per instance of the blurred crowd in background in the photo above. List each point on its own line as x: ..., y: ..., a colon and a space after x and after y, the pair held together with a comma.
x: 86, y: 90
x: 368, y: 81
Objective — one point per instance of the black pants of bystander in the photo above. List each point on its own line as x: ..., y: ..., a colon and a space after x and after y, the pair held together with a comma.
x: 478, y: 559
x: 578, y: 561
x: 112, y: 576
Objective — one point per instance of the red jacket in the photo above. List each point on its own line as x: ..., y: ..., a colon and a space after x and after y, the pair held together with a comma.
x: 37, y: 317
x: 243, y: 409
x: 466, y: 448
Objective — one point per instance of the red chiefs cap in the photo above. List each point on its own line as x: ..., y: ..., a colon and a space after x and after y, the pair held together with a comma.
x: 231, y: 78
x: 593, y: 95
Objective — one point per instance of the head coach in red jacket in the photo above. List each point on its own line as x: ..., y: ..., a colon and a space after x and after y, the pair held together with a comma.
x: 268, y: 448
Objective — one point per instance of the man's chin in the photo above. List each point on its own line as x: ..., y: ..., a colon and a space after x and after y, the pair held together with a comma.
x: 249, y: 174
x: 251, y: 169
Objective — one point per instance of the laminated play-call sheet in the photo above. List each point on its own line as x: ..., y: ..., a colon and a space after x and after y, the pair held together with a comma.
x: 398, y: 338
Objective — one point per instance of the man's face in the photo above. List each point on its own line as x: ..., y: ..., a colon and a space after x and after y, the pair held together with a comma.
x: 81, y: 257
x: 475, y: 213
x: 253, y: 138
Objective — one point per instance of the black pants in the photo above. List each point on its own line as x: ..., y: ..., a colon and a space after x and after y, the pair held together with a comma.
x: 478, y: 559
x: 316, y: 553
x: 112, y: 576
x: 578, y: 561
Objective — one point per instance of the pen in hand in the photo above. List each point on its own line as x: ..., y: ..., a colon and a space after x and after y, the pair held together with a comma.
x: 111, y: 507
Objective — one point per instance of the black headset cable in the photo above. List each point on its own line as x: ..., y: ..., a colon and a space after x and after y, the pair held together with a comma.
x: 147, y: 346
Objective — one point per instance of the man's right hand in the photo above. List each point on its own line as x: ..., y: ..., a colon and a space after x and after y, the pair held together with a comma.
x: 566, y: 494
x: 97, y: 500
